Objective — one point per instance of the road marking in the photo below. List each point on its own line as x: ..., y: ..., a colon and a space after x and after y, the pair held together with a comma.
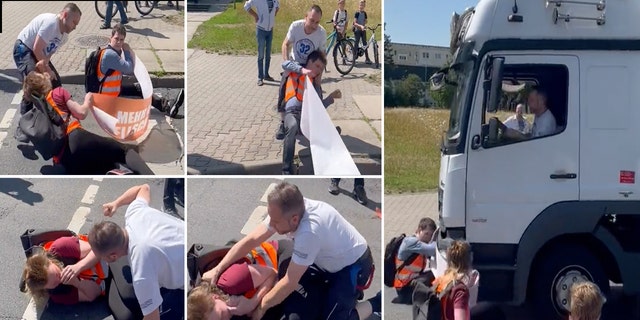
x: 32, y: 312
x: 90, y: 194
x: 3, y: 134
x: 8, y: 117
x: 97, y: 179
x: 257, y: 217
x: 17, y: 98
x: 14, y: 79
x: 79, y: 218
x: 266, y: 192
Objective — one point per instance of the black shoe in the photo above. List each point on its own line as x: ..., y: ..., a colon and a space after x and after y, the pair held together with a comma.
x: 269, y: 78
x: 171, y: 211
x: 173, y: 111
x: 334, y: 188
x: 104, y: 26
x: 280, y: 134
x: 360, y: 195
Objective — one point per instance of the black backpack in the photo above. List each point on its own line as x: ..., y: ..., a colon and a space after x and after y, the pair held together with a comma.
x: 428, y: 305
x: 390, y: 254
x: 45, y: 128
x: 91, y: 81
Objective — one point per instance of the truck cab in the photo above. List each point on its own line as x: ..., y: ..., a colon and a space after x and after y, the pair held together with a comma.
x: 543, y: 211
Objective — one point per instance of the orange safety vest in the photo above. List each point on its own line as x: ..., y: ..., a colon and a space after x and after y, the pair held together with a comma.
x: 264, y: 255
x: 112, y: 84
x: 95, y: 273
x: 409, y: 272
x: 295, y: 86
x: 71, y: 121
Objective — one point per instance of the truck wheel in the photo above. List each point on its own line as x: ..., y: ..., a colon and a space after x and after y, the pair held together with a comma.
x: 556, y: 272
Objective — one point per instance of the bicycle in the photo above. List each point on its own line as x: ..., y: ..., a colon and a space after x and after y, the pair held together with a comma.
x: 343, y: 53
x: 372, y: 42
x: 143, y: 7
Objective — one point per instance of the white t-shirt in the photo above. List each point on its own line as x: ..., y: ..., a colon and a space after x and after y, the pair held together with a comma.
x: 544, y: 125
x: 156, y: 253
x: 340, y: 18
x: 304, y: 44
x: 325, y: 238
x: 46, y: 26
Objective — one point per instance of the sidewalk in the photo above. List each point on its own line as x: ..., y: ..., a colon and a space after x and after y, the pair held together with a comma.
x: 232, y: 121
x: 402, y: 212
x: 157, y: 39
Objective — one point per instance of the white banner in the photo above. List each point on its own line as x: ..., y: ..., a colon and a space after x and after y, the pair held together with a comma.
x: 330, y: 155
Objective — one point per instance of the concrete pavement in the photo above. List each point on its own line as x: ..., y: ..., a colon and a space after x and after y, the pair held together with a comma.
x: 232, y: 121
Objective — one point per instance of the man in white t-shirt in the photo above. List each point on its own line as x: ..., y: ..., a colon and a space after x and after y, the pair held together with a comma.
x: 304, y: 36
x: 544, y: 123
x: 37, y: 42
x: 518, y: 121
x: 330, y: 264
x: 154, y: 242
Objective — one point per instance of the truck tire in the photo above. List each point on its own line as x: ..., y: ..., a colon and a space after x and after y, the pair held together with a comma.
x: 556, y: 272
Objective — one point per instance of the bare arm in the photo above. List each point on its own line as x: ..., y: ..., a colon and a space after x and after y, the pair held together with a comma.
x: 253, y: 14
x: 126, y: 198
x: 263, y: 279
x: 155, y: 315
x: 239, y: 250
x: 87, y: 289
x: 80, y: 111
x: 87, y: 260
x: 42, y: 62
x: 285, y: 49
x: 281, y: 290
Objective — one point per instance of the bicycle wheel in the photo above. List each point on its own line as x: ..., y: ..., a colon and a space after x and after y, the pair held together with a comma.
x: 101, y: 9
x: 344, y: 56
x: 145, y: 7
x: 376, y: 55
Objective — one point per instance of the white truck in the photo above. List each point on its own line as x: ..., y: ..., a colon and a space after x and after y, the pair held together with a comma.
x: 542, y: 213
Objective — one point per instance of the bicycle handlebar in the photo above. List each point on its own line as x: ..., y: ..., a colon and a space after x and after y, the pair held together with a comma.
x: 376, y: 27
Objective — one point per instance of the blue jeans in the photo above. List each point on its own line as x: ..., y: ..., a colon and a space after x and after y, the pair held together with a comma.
x: 264, y: 51
x: 109, y: 14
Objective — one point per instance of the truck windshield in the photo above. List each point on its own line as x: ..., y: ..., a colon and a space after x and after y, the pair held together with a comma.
x: 460, y: 76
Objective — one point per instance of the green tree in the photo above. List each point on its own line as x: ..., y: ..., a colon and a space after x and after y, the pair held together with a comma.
x: 442, y: 97
x: 409, y: 91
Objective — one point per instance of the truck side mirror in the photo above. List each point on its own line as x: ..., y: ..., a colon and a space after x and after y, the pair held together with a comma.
x: 437, y: 81
x: 490, y: 133
x: 495, y: 84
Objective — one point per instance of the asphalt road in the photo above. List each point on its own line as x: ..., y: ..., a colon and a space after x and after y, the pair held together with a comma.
x: 164, y: 144
x: 48, y: 203
x: 219, y: 209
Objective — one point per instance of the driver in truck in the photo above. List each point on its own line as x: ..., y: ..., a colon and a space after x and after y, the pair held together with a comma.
x: 544, y: 123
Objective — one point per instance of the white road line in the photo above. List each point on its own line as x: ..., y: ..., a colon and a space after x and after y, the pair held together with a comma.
x: 257, y: 217
x: 3, y: 134
x: 266, y: 192
x: 97, y: 179
x: 8, y: 117
x: 90, y: 194
x: 32, y: 312
x: 17, y: 98
x: 14, y: 79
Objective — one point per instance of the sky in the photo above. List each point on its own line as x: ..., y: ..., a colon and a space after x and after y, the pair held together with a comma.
x: 422, y: 21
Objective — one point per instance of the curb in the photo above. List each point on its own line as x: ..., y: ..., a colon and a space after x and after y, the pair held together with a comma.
x: 169, y: 81
x: 367, y: 166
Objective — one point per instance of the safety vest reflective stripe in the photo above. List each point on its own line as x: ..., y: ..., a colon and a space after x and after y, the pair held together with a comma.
x: 409, y: 272
x: 295, y: 86
x: 112, y: 84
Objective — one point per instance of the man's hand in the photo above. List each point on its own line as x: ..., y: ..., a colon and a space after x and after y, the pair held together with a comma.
x: 308, y: 72
x: 212, y: 275
x: 109, y: 209
x: 126, y: 47
x: 88, y: 99
x: 69, y: 272
x: 336, y: 94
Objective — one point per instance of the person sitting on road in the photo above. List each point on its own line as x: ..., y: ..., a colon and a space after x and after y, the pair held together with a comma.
x: 415, y: 250
x: 239, y: 289
x: 293, y: 100
x: 586, y: 301
x: 67, y: 271
x: 84, y: 151
x: 119, y: 59
x: 544, y: 123
x: 518, y: 121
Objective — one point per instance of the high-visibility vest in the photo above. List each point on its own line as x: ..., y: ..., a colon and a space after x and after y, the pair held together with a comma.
x: 71, y: 121
x: 295, y: 86
x: 264, y: 255
x: 409, y: 272
x: 95, y: 273
x: 112, y: 84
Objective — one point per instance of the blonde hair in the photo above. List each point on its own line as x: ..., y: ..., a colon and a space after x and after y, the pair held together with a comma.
x: 586, y: 301
x: 199, y: 301
x: 35, y: 274
x: 36, y: 84
x: 459, y: 263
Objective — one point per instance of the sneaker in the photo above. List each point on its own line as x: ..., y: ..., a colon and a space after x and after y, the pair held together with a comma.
x: 104, y: 26
x: 260, y: 82
x: 269, y: 78
x: 368, y: 61
x: 339, y: 129
x: 334, y: 188
x: 280, y: 134
x: 173, y: 111
x: 360, y: 195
